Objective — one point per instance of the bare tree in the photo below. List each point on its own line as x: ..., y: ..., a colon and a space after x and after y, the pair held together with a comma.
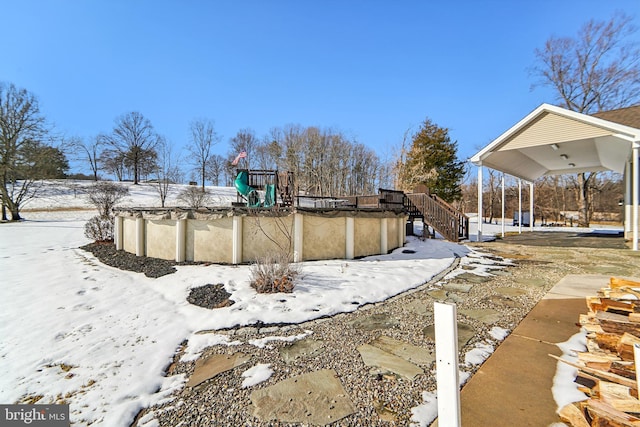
x: 203, y: 138
x: 167, y: 171
x: 88, y: 151
x: 215, y: 168
x: 245, y: 140
x: 595, y: 71
x: 22, y: 130
x: 134, y: 138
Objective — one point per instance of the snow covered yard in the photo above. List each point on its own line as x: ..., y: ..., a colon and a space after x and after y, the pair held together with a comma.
x: 77, y: 331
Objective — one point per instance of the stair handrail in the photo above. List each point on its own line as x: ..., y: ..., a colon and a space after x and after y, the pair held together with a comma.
x: 442, y: 217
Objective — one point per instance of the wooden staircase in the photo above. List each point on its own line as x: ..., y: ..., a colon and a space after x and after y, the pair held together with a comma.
x: 434, y: 212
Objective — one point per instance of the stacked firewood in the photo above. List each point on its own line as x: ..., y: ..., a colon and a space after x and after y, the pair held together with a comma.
x: 607, y: 370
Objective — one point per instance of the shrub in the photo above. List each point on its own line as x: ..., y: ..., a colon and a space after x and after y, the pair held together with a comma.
x: 271, y: 274
x: 104, y: 195
x: 99, y: 228
x: 194, y: 197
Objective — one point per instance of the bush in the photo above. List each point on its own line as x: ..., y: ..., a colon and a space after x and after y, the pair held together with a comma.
x: 272, y: 274
x: 104, y: 195
x: 194, y: 197
x: 100, y: 228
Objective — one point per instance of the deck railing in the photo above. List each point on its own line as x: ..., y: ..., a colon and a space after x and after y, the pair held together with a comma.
x: 442, y: 217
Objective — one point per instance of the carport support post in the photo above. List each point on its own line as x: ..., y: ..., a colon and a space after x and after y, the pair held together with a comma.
x: 519, y: 206
x: 502, y: 183
x: 531, y: 218
x: 636, y: 190
x: 480, y: 203
x: 447, y: 375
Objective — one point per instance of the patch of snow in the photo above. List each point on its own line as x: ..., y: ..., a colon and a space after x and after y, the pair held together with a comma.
x: 262, y: 342
x: 479, y: 354
x: 424, y: 414
x: 259, y: 373
x: 198, y: 342
x: 564, y: 388
x: 498, y: 333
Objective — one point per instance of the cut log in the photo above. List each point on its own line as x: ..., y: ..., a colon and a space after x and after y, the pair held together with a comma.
x: 604, y: 415
x: 572, y: 415
x: 617, y: 323
x: 615, y: 305
x: 608, y: 341
x: 608, y: 376
x: 617, y: 282
x: 625, y: 346
x: 619, y: 397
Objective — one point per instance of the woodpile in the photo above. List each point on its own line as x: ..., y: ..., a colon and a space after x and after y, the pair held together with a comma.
x: 607, y: 369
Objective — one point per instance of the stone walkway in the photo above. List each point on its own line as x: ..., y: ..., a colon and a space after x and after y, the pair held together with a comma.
x: 371, y: 367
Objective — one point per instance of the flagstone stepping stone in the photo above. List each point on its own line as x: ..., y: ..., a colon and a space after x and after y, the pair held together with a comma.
x: 407, y: 351
x: 465, y: 333
x: 373, y: 356
x: 376, y: 321
x: 458, y: 287
x: 484, y: 315
x: 384, y: 412
x: 438, y: 294
x: 314, y: 398
x: 510, y: 292
x: 538, y: 282
x: 500, y: 272
x: 303, y: 349
x: 501, y: 301
x: 472, y: 278
x: 419, y: 307
x: 214, y: 365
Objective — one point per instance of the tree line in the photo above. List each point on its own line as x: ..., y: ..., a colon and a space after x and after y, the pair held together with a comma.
x: 556, y: 198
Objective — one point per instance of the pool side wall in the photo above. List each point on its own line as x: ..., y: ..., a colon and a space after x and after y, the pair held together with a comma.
x: 236, y: 238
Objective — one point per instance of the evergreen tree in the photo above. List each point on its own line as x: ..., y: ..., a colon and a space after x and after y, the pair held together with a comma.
x: 432, y: 161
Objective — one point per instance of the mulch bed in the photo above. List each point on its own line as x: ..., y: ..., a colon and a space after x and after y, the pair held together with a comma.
x: 151, y: 267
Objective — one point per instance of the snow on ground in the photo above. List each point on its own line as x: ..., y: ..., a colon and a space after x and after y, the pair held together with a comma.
x: 565, y: 389
x: 99, y: 338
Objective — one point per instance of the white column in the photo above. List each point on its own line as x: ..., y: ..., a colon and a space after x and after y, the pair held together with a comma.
x: 519, y: 205
x: 140, y: 236
x: 480, y: 203
x: 627, y: 200
x: 531, y: 218
x: 181, y: 240
x: 384, y: 246
x: 402, y: 228
x: 503, y: 218
x: 236, y: 257
x: 447, y: 374
x: 118, y: 233
x: 636, y: 190
x: 350, y: 238
x: 298, y: 237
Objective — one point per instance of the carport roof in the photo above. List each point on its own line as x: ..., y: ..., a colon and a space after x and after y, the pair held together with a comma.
x: 554, y: 141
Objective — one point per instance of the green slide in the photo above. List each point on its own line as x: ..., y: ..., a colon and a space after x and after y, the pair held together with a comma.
x: 242, y: 185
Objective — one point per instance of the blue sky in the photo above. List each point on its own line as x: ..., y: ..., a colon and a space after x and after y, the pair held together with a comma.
x: 371, y: 69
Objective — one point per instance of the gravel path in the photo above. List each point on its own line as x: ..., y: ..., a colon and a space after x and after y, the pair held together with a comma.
x: 383, y: 400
